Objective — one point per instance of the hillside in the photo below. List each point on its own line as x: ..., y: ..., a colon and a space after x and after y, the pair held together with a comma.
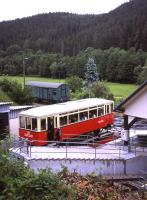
x: 124, y: 27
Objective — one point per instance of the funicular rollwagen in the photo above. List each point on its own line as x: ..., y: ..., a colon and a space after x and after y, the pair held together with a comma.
x: 72, y: 118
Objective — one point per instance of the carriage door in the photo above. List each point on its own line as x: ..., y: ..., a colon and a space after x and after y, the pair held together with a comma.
x: 50, y: 121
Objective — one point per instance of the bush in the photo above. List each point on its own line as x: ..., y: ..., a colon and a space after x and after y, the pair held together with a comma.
x: 17, y: 93
x: 96, y: 90
x: 75, y: 83
x: 19, y: 182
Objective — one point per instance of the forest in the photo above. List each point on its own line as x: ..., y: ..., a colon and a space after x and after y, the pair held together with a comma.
x: 113, y: 65
x: 67, y: 33
x: 58, y: 45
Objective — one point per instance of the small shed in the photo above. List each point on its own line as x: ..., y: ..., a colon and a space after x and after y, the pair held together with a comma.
x: 134, y: 108
x: 4, y: 118
x: 49, y: 91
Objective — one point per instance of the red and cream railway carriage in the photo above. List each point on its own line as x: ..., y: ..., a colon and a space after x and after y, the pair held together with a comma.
x: 72, y: 118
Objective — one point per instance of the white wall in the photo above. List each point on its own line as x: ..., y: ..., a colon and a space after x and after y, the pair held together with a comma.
x: 81, y: 166
x: 138, y: 106
x: 112, y: 167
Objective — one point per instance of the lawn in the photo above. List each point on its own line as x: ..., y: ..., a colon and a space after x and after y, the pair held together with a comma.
x: 119, y: 90
x: 29, y: 78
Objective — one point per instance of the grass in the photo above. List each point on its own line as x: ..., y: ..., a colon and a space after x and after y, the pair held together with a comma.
x: 119, y: 90
x: 20, y: 79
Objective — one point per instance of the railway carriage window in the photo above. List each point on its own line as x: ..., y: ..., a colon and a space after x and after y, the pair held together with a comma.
x: 34, y: 124
x: 43, y: 124
x: 55, y: 122
x: 108, y: 109
x: 100, y: 111
x: 63, y: 120
x: 22, y: 122
x: 93, y: 113
x: 111, y: 108
x: 83, y: 115
x: 28, y: 123
x: 73, y: 118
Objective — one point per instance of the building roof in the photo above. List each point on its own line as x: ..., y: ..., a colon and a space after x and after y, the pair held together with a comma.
x: 44, y: 84
x: 12, y: 108
x: 121, y: 106
x: 5, y: 103
x: 60, y: 108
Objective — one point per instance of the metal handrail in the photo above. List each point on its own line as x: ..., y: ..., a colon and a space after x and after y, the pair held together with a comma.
x: 119, y: 149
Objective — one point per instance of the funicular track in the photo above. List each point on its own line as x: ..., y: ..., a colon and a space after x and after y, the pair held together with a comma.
x: 93, y: 138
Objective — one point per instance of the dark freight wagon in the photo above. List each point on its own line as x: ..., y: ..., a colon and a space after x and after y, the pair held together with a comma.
x: 50, y: 92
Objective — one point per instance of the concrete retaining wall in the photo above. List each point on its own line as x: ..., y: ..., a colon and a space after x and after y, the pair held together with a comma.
x: 135, y: 165
x: 84, y: 166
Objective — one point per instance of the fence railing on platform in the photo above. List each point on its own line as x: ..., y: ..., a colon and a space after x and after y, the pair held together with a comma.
x: 24, y: 146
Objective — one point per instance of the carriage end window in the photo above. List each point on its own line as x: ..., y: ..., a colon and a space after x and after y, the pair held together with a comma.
x: 108, y: 109
x: 112, y: 107
x: 34, y: 124
x: 22, y: 122
x: 28, y: 123
x: 43, y: 124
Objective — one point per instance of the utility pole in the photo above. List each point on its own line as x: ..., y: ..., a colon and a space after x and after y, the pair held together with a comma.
x: 24, y: 70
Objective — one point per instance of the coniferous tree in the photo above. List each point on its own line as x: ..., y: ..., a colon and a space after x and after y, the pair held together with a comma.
x: 91, y: 74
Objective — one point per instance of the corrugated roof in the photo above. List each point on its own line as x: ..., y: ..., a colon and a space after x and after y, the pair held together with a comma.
x: 5, y: 103
x: 68, y: 106
x: 44, y: 84
x: 20, y: 107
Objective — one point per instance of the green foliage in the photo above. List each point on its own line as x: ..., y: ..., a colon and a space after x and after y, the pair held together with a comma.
x: 100, y: 90
x: 74, y: 39
x: 19, y: 182
x: 114, y: 64
x: 4, y: 97
x: 70, y: 33
x: 119, y: 90
x: 143, y: 75
x: 75, y: 83
x: 16, y: 92
x: 91, y: 74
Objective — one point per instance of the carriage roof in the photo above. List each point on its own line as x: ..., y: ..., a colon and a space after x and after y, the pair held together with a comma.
x: 69, y: 106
